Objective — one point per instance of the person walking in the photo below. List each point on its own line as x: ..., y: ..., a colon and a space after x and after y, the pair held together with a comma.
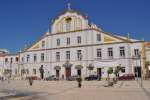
x: 30, y: 81
x: 79, y: 80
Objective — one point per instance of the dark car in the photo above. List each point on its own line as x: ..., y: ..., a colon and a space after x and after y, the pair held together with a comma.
x: 33, y: 77
x: 91, y: 77
x: 73, y: 78
x: 127, y: 77
x: 51, y: 78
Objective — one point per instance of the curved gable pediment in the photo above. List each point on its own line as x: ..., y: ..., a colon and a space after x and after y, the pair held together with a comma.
x: 69, y: 21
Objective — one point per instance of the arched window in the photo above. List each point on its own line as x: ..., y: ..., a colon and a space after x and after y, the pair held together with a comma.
x: 68, y: 24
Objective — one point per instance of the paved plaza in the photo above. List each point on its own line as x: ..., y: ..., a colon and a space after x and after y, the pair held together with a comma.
x: 68, y: 90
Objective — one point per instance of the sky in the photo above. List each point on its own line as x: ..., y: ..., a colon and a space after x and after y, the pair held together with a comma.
x: 22, y: 22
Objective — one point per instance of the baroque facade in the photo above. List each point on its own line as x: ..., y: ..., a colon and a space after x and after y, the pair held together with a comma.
x: 73, y: 47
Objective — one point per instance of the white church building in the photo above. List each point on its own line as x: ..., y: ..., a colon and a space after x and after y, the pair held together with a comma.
x: 73, y: 46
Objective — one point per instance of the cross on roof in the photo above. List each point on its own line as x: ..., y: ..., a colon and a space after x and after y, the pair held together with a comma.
x: 69, y: 6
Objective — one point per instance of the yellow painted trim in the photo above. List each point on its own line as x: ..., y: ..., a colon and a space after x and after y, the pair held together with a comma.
x: 143, y: 57
x: 109, y: 39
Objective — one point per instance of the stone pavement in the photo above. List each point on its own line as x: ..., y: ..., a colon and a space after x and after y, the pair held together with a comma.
x: 67, y: 90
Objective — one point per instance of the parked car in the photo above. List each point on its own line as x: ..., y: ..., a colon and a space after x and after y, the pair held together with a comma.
x: 73, y: 78
x: 127, y: 77
x: 91, y: 77
x: 33, y: 77
x: 51, y: 78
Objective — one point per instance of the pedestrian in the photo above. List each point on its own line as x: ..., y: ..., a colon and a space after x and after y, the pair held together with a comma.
x: 30, y: 81
x: 79, y: 82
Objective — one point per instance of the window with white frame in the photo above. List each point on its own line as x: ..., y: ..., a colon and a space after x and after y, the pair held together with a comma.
x: 122, y: 51
x: 99, y: 53
x: 68, y: 55
x: 98, y: 37
x: 35, y: 57
x: 68, y: 41
x: 110, y: 52
x: 28, y: 58
x: 58, y: 42
x: 42, y: 57
x: 57, y: 56
x: 79, y: 39
x: 79, y: 55
x: 136, y: 52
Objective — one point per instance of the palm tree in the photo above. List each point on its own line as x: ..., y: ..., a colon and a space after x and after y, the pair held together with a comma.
x: 109, y: 71
x: 117, y: 70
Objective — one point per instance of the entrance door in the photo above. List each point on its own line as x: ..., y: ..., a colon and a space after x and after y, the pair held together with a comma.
x: 99, y: 73
x: 79, y: 72
x: 57, y: 73
x: 137, y: 71
x: 68, y: 73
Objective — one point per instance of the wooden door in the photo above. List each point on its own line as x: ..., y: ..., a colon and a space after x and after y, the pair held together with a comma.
x: 68, y: 73
x: 99, y: 73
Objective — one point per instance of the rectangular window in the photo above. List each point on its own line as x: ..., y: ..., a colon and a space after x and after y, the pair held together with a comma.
x: 68, y: 41
x: 79, y: 55
x: 122, y: 51
x: 35, y: 57
x: 28, y: 58
x: 58, y: 42
x: 110, y: 52
x: 79, y: 39
x: 68, y: 55
x: 57, y: 56
x: 136, y: 52
x: 42, y: 56
x: 98, y: 37
x: 43, y: 44
x: 99, y: 53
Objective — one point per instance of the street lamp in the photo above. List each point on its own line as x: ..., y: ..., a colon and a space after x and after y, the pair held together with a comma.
x: 139, y: 56
x: 81, y: 56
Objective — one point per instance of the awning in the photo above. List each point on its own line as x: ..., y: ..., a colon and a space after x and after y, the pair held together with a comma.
x: 57, y: 67
x: 67, y: 64
x: 78, y: 67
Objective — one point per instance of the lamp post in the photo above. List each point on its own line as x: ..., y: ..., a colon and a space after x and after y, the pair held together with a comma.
x: 139, y: 56
x: 80, y: 62
x: 136, y: 68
